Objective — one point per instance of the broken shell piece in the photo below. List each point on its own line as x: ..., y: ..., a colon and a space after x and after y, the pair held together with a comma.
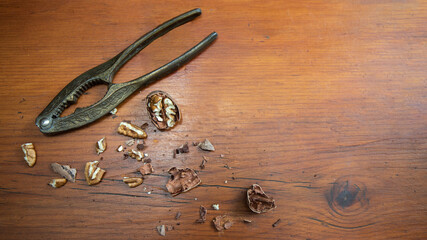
x: 65, y: 171
x: 93, y: 173
x: 132, y: 181
x: 120, y: 148
x: 182, y: 180
x: 57, y: 183
x: 101, y: 145
x: 162, y: 109
x: 258, y: 201
x: 161, y: 229
x: 131, y: 130
x: 203, y: 212
x: 146, y: 169
x: 135, y: 154
x: 206, y: 145
x: 222, y: 222
x: 215, y: 206
x: 30, y: 153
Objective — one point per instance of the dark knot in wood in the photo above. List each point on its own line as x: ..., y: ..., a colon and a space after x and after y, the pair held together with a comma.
x: 348, y: 196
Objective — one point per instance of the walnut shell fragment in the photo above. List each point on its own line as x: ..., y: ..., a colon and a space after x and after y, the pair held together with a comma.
x: 93, y: 173
x: 65, y: 171
x: 162, y: 109
x: 203, y: 212
x: 30, y: 153
x: 131, y: 130
x: 182, y: 180
x: 101, y: 145
x: 132, y: 181
x: 222, y: 222
x: 57, y: 183
x: 146, y: 169
x: 258, y: 201
x: 206, y: 145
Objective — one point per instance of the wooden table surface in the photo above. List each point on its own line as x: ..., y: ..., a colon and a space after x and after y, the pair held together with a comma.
x: 322, y: 103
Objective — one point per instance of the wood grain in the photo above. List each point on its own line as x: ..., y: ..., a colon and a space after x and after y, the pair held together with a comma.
x: 322, y: 103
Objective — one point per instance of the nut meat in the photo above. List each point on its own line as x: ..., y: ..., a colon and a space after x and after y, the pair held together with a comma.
x: 57, y: 183
x: 182, y: 180
x: 258, y: 201
x: 163, y: 111
x: 136, y: 154
x: 65, y: 171
x: 131, y: 130
x: 101, y: 145
x: 30, y: 153
x: 93, y: 173
x: 132, y: 181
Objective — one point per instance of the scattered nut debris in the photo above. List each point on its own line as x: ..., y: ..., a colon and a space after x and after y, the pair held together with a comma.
x: 114, y: 111
x: 30, y: 153
x: 276, y: 222
x: 162, y: 230
x: 225, y: 181
x: 247, y: 221
x: 130, y: 142
x: 226, y: 166
x: 169, y: 227
x: 206, y: 145
x: 101, y: 145
x: 93, y: 173
x: 222, y: 156
x: 203, y: 212
x: 215, y: 206
x: 120, y: 148
x: 222, y: 222
x: 178, y: 215
x: 202, y: 165
x: 65, y: 171
x: 182, y: 180
x: 182, y: 149
x: 135, y: 154
x: 57, y: 183
x: 258, y: 201
x: 144, y: 126
x: 132, y: 181
x: 195, y: 143
x: 163, y: 111
x: 146, y: 169
x: 131, y: 130
x: 147, y: 160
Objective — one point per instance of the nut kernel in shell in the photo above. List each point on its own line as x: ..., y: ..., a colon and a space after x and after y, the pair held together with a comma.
x: 163, y: 110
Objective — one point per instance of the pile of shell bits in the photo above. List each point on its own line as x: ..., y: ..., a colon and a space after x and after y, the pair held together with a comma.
x: 162, y: 109
x: 164, y: 114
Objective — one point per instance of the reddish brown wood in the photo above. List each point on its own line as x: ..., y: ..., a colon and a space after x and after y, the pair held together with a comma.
x: 322, y: 103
